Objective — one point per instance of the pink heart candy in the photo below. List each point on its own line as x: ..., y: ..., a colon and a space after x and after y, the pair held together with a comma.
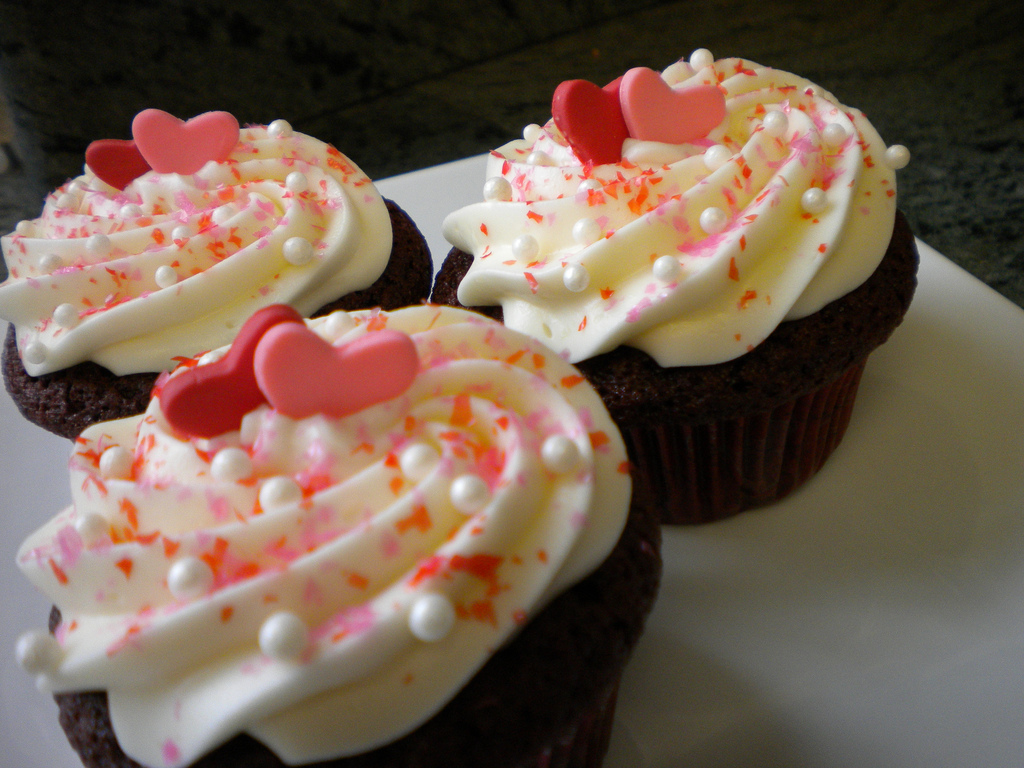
x: 655, y: 111
x: 171, y: 145
x: 302, y: 375
x: 209, y: 400
x: 115, y: 161
x: 590, y: 119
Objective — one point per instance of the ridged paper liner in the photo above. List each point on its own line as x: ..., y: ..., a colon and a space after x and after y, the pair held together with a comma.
x: 704, y: 472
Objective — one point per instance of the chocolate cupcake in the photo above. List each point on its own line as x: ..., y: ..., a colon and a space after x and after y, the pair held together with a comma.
x: 719, y: 275
x: 444, y: 565
x: 146, y: 259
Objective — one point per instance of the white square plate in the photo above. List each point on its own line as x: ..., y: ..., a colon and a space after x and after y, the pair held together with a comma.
x: 875, y: 618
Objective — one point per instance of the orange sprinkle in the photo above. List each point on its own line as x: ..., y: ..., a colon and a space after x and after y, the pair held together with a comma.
x: 226, y: 613
x: 542, y: 555
x: 598, y: 439
x: 130, y: 511
x: 58, y: 572
x: 396, y: 485
x: 583, y: 324
x: 606, y: 293
x: 822, y: 248
x: 170, y: 547
x: 462, y: 413
x: 515, y: 356
x: 538, y: 360
x: 532, y: 281
x: 624, y: 467
x: 734, y: 273
x: 126, y: 566
x: 535, y: 216
x: 358, y: 581
x: 483, y: 228
x: 571, y: 381
x: 419, y: 519
x: 746, y: 298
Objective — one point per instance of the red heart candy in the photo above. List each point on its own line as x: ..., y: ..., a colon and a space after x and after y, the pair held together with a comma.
x: 590, y: 118
x: 171, y: 145
x: 655, y: 111
x: 302, y: 375
x: 209, y: 400
x: 115, y: 161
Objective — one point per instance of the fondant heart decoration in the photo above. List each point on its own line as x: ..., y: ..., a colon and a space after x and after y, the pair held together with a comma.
x: 655, y: 111
x: 302, y: 375
x: 591, y: 120
x: 209, y: 400
x: 171, y: 145
x: 115, y: 161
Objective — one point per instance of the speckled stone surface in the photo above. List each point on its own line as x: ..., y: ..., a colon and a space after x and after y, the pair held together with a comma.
x: 407, y: 85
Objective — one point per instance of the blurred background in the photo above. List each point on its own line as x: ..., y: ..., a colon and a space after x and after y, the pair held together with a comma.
x: 405, y: 84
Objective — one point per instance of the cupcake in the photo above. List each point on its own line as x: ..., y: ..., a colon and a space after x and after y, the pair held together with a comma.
x: 426, y: 552
x: 717, y: 248
x: 168, y: 242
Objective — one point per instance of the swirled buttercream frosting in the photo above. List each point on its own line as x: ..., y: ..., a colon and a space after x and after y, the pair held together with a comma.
x: 172, y: 264
x: 326, y: 584
x: 692, y: 252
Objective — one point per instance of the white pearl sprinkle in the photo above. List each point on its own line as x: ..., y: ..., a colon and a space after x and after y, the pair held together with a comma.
x: 298, y: 251
x: 834, y: 134
x: 469, y: 494
x: 897, y: 156
x: 76, y: 187
x: 223, y: 214
x: 497, y: 189
x: 713, y: 220
x: 775, y: 123
x: 181, y: 232
x: 667, y: 268
x: 590, y: 185
x: 296, y: 182
x: 431, y: 618
x: 560, y: 454
x: 586, y: 231
x: 67, y: 201
x: 532, y: 132
x: 284, y: 636
x: 278, y: 492
x: 338, y: 323
x: 50, y: 262
x: 716, y: 156
x: 418, y: 460
x: 701, y: 58
x: 539, y: 158
x: 279, y: 129
x: 575, y: 278
x: 165, y: 276
x: 38, y: 652
x: 92, y: 527
x: 525, y: 248
x: 98, y: 245
x: 65, y: 315
x: 130, y: 211
x: 189, y: 578
x: 231, y: 465
x: 814, y: 200
x: 24, y: 228
x: 36, y: 353
x: 116, y: 463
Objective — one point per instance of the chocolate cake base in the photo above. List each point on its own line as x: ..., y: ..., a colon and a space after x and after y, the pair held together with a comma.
x: 67, y: 401
x: 710, y: 441
x: 545, y: 700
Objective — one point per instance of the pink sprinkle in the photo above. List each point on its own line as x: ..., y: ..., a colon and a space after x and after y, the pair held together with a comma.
x: 171, y: 752
x: 69, y: 543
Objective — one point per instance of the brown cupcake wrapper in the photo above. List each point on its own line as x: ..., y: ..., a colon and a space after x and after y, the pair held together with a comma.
x: 705, y: 472
x: 586, y: 745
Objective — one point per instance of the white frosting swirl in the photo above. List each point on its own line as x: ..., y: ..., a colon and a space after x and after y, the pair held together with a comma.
x: 328, y: 584
x: 173, y: 264
x: 693, y: 253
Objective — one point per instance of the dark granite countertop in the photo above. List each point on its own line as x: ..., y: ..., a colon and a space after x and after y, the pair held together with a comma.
x: 443, y: 79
